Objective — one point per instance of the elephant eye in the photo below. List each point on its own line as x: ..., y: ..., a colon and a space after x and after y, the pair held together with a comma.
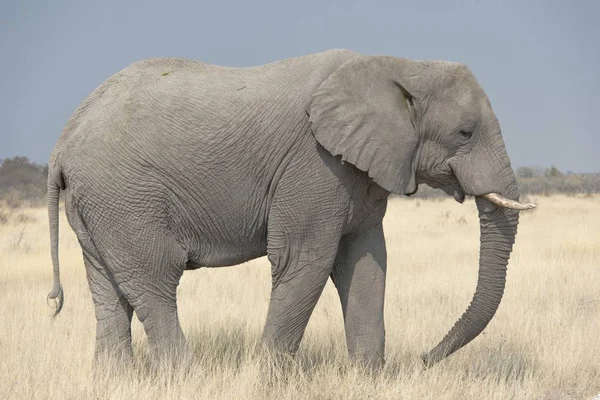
x: 466, y: 135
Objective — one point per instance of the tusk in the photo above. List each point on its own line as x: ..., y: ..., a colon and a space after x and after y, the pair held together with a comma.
x: 508, y: 203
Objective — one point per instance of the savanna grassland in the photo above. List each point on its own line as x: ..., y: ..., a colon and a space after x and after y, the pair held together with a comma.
x: 544, y: 342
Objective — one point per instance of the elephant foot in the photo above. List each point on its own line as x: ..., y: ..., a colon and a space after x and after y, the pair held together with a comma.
x: 172, y: 361
x: 108, y: 365
x: 276, y: 364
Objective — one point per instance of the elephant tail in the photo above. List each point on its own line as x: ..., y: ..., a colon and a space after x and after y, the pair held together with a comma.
x: 55, y: 184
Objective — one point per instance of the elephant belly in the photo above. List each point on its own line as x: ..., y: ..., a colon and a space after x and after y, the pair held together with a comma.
x: 213, y: 255
x: 218, y: 226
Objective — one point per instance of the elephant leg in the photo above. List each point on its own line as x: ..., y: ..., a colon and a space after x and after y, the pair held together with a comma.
x: 299, y: 273
x: 149, y: 280
x: 359, y: 276
x: 161, y: 324
x: 113, y: 313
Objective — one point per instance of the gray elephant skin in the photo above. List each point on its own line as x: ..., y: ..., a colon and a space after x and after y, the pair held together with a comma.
x: 173, y: 165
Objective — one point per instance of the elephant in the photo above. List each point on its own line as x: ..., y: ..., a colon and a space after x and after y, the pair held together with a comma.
x: 173, y: 165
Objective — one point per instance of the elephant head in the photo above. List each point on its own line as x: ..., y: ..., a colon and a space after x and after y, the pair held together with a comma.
x: 407, y: 122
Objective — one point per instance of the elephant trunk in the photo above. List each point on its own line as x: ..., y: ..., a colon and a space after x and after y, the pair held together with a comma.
x: 498, y: 227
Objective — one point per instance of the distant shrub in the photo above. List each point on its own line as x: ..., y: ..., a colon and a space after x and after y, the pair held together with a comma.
x: 3, y: 217
x: 25, y: 219
x: 13, y: 198
x: 528, y: 172
x: 17, y: 242
x: 22, y: 182
x: 560, y: 184
x: 553, y: 172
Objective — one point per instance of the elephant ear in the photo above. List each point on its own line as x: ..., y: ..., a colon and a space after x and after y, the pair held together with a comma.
x: 365, y: 114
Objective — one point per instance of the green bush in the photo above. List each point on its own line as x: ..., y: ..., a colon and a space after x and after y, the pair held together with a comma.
x: 22, y: 182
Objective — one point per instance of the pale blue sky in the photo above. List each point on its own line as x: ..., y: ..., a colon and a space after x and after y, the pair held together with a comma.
x: 538, y: 61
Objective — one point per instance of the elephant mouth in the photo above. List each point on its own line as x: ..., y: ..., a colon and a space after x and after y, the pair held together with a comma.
x: 413, y: 192
x: 455, y: 190
x: 452, y: 189
x: 458, y: 193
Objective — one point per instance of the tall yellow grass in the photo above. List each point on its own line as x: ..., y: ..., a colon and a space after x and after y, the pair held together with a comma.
x: 544, y: 342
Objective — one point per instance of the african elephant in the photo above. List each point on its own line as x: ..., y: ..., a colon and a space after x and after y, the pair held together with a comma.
x: 173, y: 165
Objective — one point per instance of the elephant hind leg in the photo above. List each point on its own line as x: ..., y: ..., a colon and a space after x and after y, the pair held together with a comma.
x: 161, y: 324
x: 149, y: 281
x: 113, y: 313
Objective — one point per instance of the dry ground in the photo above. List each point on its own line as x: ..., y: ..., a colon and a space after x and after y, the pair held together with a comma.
x: 544, y: 342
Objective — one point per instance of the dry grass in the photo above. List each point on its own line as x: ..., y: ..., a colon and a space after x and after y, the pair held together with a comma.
x: 544, y: 343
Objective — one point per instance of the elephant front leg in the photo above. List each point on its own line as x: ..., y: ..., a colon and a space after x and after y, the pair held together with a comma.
x: 359, y: 276
x: 299, y: 274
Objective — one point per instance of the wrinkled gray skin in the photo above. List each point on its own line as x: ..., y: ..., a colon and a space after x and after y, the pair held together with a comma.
x: 174, y: 164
